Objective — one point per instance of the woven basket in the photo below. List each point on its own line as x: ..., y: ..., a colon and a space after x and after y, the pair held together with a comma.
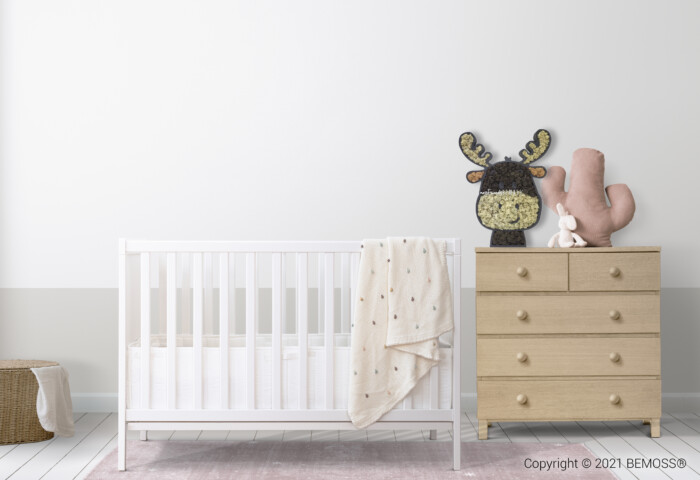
x: 18, y: 390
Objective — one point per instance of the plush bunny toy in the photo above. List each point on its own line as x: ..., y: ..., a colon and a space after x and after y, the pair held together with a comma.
x: 566, y: 237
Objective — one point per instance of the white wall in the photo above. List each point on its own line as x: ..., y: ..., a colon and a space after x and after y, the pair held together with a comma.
x: 320, y: 120
x: 326, y: 120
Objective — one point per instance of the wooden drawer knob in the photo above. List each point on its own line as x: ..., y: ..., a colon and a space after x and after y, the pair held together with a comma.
x: 614, y: 357
x: 522, y: 399
x: 614, y: 399
x: 521, y: 271
x: 521, y: 314
x: 614, y: 272
x: 521, y: 356
x: 614, y: 314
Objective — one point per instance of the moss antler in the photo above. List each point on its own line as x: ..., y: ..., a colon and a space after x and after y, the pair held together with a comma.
x: 534, y: 150
x: 474, y: 151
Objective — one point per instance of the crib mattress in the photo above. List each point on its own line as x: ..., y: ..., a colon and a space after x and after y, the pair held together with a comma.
x: 184, y: 391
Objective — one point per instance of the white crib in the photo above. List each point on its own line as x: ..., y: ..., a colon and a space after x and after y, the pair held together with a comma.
x: 255, y: 336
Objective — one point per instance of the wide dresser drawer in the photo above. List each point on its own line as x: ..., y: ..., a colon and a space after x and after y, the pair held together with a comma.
x: 568, y: 399
x: 614, y: 271
x: 526, y: 314
x: 522, y: 272
x: 567, y: 356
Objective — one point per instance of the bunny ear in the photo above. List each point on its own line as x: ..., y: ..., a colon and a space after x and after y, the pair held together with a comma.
x: 560, y: 210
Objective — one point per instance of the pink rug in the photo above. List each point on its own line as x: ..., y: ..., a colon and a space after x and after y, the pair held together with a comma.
x: 325, y: 460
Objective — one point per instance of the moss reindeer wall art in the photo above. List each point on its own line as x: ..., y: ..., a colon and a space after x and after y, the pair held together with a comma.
x: 508, y: 201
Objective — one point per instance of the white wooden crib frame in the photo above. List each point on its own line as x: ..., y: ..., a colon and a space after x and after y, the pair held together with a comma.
x: 252, y: 418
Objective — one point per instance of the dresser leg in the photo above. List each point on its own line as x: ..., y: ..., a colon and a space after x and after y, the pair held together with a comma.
x: 655, y: 427
x: 483, y: 430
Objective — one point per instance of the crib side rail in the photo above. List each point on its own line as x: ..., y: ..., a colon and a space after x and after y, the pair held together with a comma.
x: 158, y: 265
x: 347, y: 246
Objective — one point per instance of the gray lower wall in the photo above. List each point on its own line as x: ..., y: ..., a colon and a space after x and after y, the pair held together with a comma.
x: 78, y: 328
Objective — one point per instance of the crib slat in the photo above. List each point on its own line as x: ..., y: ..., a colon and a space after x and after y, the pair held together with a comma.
x: 171, y: 294
x: 344, y: 293
x: 186, y: 322
x: 197, y: 325
x: 232, y: 293
x: 223, y: 330
x: 303, y: 326
x: 208, y: 294
x: 276, y: 331
x: 328, y: 337
x: 283, y: 288
x: 354, y: 268
x: 250, y: 313
x: 145, y: 331
x: 162, y: 294
x: 434, y: 377
x: 320, y: 291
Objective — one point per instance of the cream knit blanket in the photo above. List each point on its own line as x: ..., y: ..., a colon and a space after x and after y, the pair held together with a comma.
x: 403, y: 303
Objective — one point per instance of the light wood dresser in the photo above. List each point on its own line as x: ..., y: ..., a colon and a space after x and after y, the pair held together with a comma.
x: 568, y: 334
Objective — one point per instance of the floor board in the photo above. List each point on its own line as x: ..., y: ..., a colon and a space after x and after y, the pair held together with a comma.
x: 603, y: 438
x: 674, y: 446
x: 74, y: 462
x: 298, y: 436
x: 647, y: 447
x: 241, y: 436
x: 619, y: 450
x: 95, y: 437
x: 545, y: 432
x: 518, y: 432
x: 58, y: 448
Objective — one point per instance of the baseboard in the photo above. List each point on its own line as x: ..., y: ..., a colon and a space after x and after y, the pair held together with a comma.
x: 680, y: 402
x: 94, y: 402
x: 107, y: 402
x: 671, y: 402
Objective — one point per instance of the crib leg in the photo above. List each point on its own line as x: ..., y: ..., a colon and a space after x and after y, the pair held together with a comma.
x: 143, y: 435
x: 121, y: 446
x: 433, y: 434
x: 456, y: 446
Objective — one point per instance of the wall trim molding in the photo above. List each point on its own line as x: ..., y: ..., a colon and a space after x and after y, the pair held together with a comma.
x: 94, y: 402
x: 107, y: 402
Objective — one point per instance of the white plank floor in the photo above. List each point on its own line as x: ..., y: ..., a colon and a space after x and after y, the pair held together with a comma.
x: 95, y: 437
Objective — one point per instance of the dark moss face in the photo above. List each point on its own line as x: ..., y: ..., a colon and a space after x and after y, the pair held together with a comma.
x: 508, y: 176
x: 508, y: 199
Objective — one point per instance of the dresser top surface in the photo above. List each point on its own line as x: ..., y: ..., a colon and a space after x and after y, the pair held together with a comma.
x: 565, y: 250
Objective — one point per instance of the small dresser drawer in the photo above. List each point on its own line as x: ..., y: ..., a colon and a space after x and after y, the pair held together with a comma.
x: 562, y: 356
x: 526, y: 314
x: 569, y: 399
x: 502, y: 272
x: 614, y: 271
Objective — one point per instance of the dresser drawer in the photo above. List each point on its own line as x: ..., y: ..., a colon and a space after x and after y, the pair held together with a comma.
x: 500, y: 272
x: 614, y: 271
x: 568, y: 399
x: 561, y: 356
x: 524, y: 314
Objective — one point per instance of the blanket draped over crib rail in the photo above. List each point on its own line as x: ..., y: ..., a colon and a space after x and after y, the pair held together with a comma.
x: 403, y: 304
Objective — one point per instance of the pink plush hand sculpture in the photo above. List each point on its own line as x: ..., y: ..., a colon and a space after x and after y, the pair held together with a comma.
x: 586, y: 197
